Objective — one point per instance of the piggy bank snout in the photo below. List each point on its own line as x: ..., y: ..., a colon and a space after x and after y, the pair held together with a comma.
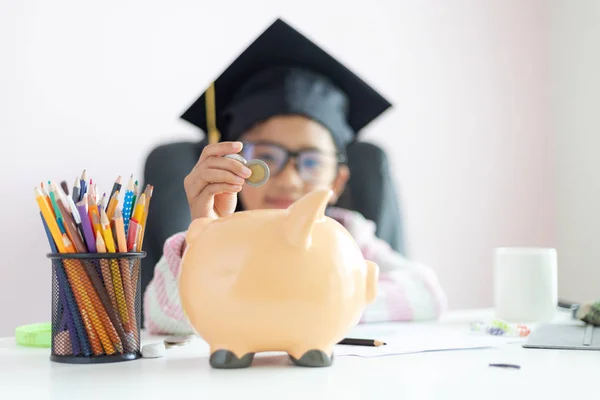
x: 371, y: 284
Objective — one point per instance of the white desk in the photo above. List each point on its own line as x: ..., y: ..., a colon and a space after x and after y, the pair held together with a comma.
x: 184, y: 373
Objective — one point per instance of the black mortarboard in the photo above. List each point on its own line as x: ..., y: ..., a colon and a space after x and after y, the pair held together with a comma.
x: 283, y: 72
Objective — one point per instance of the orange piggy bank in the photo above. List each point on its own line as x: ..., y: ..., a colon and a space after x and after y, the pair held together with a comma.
x: 289, y: 280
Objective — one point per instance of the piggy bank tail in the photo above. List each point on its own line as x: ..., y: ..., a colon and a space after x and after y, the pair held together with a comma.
x: 372, y: 279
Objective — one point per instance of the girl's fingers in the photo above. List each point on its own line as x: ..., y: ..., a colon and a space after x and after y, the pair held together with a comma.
x: 228, y: 164
x: 219, y: 150
x: 218, y: 188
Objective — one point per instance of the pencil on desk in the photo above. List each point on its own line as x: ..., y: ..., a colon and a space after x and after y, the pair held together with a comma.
x: 362, y: 342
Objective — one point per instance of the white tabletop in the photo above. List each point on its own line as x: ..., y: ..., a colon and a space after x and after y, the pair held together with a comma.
x: 184, y: 371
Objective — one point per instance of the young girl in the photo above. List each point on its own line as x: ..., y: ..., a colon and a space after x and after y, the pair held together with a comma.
x: 299, y: 122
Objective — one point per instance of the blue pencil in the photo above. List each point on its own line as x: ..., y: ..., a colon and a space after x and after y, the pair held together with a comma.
x: 83, y: 184
x: 128, y: 204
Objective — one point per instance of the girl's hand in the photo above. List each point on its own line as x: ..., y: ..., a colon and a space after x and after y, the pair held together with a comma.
x: 212, y: 185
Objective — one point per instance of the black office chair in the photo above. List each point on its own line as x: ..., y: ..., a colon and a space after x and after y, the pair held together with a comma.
x: 370, y: 191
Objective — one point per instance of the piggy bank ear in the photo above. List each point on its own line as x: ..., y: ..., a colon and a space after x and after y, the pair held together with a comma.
x: 303, y: 215
x: 196, y: 228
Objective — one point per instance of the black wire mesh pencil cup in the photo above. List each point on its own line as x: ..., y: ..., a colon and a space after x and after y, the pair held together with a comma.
x: 96, y: 307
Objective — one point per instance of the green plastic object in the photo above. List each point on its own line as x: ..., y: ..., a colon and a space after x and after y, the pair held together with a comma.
x: 34, y: 335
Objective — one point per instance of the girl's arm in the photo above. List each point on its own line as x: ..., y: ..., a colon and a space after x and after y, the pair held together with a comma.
x: 163, y: 313
x: 407, y: 290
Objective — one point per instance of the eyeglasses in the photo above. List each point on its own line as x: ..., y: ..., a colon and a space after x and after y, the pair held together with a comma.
x: 313, y: 166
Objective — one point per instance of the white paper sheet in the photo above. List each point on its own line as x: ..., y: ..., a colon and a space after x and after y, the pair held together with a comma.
x: 410, y: 339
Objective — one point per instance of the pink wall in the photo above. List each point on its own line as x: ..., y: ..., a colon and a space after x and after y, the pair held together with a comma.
x: 470, y: 140
x: 468, y: 135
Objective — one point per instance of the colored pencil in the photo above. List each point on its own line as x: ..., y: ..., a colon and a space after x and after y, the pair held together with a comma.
x: 88, y: 314
x: 135, y: 195
x: 71, y: 228
x: 119, y: 231
x: 116, y: 187
x: 96, y: 300
x: 362, y: 342
x: 112, y: 205
x: 86, y: 225
x: 83, y: 184
x: 127, y: 203
x: 104, y: 308
x: 66, y: 298
x: 105, y: 269
x: 102, y: 203
x: 76, y: 190
x: 65, y: 187
x: 148, y: 195
x: 116, y: 275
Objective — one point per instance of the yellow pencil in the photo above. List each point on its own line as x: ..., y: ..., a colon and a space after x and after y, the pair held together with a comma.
x: 50, y: 220
x: 148, y: 193
x: 112, y: 205
x: 114, y: 267
x: 138, y: 212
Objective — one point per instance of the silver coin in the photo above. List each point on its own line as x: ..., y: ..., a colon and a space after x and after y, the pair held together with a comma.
x: 260, y: 173
x: 236, y: 157
x: 260, y: 170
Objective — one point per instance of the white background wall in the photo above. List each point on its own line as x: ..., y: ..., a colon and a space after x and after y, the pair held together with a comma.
x: 575, y: 38
x: 97, y: 85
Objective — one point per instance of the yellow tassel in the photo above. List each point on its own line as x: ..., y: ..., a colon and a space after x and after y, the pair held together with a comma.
x: 214, y: 135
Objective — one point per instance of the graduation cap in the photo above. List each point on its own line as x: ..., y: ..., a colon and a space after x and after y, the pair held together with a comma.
x: 283, y: 72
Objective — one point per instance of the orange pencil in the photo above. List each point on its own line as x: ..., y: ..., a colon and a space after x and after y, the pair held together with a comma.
x: 119, y: 228
x: 148, y: 193
x: 88, y: 314
x: 134, y: 224
x: 93, y: 213
x: 105, y: 269
x: 114, y: 267
x: 103, y: 326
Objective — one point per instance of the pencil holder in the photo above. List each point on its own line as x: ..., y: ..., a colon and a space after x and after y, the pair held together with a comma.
x: 96, y: 307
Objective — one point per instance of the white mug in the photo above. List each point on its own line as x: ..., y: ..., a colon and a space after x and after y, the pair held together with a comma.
x: 525, y: 284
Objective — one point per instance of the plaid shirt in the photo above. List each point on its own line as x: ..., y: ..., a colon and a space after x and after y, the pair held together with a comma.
x: 407, y: 291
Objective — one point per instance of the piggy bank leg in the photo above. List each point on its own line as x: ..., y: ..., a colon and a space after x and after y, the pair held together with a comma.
x: 313, y: 358
x: 225, y: 359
